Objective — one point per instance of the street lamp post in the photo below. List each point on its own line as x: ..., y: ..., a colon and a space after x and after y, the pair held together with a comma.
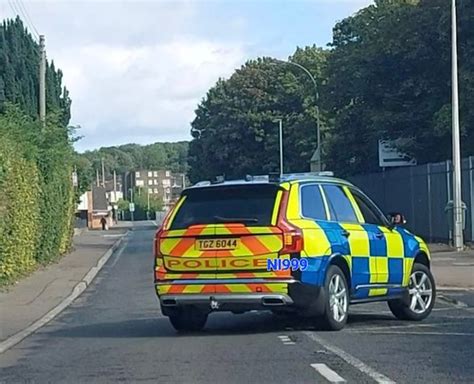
x: 131, y: 200
x: 280, y: 129
x: 457, y: 200
x: 318, y: 118
x: 148, y: 204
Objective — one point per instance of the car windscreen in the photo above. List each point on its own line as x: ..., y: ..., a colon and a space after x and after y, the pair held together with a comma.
x: 251, y: 205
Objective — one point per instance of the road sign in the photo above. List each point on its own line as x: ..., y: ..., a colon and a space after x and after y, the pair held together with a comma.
x: 389, y: 156
x: 131, y: 207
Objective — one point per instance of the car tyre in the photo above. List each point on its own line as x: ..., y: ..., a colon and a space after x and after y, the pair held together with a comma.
x: 420, y: 299
x: 188, y: 320
x: 337, y: 299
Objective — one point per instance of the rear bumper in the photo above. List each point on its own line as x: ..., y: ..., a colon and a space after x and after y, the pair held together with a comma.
x: 297, y: 296
x: 227, y: 302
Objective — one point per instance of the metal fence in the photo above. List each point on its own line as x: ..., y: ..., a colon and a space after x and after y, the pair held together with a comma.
x: 421, y: 194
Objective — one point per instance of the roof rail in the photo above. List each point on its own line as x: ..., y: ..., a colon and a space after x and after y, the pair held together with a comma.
x: 202, y: 183
x: 256, y: 177
x: 309, y: 174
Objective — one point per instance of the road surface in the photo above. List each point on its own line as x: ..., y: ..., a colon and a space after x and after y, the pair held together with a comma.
x: 115, y: 333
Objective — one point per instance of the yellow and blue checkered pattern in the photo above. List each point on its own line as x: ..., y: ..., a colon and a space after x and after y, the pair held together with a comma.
x: 376, y: 255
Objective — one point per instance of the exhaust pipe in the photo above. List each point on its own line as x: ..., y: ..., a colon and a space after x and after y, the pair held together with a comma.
x: 273, y: 301
x: 169, y: 302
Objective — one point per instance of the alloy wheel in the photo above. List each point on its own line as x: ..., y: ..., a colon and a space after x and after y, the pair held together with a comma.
x: 420, y: 291
x: 338, y: 300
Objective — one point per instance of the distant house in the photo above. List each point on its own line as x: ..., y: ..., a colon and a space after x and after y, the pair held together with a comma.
x: 114, y: 195
x: 93, y: 206
x: 164, y: 184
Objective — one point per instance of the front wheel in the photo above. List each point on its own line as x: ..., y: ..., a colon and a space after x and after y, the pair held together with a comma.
x: 421, y: 296
x: 337, y: 299
x: 188, y: 320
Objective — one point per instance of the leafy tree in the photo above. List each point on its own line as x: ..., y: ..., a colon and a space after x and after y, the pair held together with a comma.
x: 389, y: 77
x: 141, y: 202
x: 235, y: 133
x: 123, y: 205
x: 127, y: 157
x: 19, y: 76
x: 35, y: 161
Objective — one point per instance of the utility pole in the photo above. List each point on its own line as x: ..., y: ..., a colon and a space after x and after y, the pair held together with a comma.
x: 42, y: 81
x: 97, y: 177
x: 115, y: 187
x: 148, y: 204
x: 280, y: 134
x: 457, y: 200
x: 103, y: 172
x: 131, y: 198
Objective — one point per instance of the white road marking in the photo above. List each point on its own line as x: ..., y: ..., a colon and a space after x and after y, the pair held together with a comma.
x: 444, y: 309
x: 328, y: 373
x: 459, y: 317
x: 448, y: 288
x: 348, y: 358
x: 405, y: 326
x: 414, y: 333
x: 286, y: 340
x: 454, y: 302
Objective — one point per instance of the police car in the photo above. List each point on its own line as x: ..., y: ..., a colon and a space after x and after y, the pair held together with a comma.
x: 310, y: 244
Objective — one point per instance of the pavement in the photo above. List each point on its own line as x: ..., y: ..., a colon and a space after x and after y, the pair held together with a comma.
x: 31, y: 298
x: 114, y: 332
x: 452, y: 269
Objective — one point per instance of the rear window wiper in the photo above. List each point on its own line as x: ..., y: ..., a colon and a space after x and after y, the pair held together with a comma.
x: 243, y: 220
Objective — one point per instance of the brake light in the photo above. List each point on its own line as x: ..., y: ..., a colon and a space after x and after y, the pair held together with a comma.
x: 292, y: 236
x: 167, y: 217
x: 160, y: 231
x: 156, y: 244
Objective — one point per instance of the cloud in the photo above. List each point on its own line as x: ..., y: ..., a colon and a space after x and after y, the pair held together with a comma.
x: 136, y: 70
x: 136, y: 93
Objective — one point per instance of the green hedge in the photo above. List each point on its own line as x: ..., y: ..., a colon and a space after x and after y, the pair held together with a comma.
x: 19, y: 214
x: 36, y: 194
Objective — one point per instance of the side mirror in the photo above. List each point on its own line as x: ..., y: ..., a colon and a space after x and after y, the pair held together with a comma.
x: 396, y: 218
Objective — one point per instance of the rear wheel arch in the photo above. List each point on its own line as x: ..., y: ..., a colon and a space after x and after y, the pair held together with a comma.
x: 422, y: 258
x: 341, y: 262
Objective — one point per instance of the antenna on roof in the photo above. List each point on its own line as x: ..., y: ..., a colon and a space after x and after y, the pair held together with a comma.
x: 274, y: 177
x: 219, y: 179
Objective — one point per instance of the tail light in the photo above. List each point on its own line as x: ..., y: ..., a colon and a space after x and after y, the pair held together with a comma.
x: 160, y: 231
x: 156, y: 244
x: 292, y: 236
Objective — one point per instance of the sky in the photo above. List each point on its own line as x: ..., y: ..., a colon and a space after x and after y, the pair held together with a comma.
x: 136, y: 70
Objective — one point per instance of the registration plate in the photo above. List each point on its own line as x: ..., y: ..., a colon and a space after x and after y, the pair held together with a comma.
x: 217, y: 244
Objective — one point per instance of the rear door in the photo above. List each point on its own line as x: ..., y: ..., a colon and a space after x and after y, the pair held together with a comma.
x: 183, y: 260
x: 225, y: 232
x: 246, y: 216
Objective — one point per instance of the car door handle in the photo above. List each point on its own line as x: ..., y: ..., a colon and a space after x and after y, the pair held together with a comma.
x: 379, y: 235
x: 345, y: 233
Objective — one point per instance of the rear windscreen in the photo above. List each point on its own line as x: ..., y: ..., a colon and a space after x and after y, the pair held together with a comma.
x: 250, y: 205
